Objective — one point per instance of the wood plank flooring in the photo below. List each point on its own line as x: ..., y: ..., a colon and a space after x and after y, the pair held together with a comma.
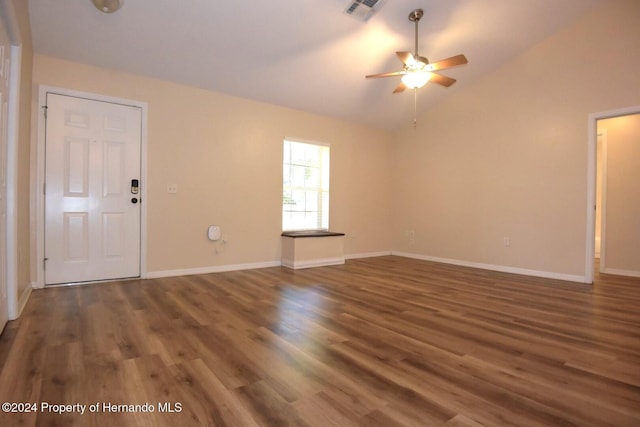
x: 385, y: 341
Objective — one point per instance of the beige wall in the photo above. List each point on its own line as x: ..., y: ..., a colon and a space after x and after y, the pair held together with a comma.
x: 24, y: 144
x: 507, y: 156
x: 622, y: 228
x: 225, y: 155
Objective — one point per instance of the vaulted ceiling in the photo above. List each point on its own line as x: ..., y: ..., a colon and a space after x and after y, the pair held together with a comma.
x: 301, y: 54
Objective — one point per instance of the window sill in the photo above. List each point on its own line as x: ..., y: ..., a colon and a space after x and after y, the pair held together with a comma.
x: 310, y: 233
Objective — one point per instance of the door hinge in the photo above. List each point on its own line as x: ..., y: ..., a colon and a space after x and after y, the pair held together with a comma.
x: 44, y: 263
x: 45, y: 109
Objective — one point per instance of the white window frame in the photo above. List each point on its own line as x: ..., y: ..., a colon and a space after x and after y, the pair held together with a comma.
x: 321, y: 221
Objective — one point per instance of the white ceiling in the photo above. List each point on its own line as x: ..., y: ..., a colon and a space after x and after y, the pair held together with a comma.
x: 303, y: 54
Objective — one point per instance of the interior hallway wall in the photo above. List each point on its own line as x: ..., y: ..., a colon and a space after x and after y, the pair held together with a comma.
x: 24, y: 148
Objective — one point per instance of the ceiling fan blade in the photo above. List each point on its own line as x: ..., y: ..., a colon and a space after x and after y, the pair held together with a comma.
x: 400, y: 88
x: 441, y: 80
x: 447, y: 63
x: 405, y: 57
x: 392, y: 73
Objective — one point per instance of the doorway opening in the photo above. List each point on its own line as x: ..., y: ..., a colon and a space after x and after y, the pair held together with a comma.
x: 613, y: 202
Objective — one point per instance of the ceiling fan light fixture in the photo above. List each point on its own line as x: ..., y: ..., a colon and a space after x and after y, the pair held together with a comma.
x: 416, y: 79
x: 107, y: 6
x: 417, y: 70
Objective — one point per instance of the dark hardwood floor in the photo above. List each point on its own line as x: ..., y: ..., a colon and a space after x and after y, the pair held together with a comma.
x: 383, y: 341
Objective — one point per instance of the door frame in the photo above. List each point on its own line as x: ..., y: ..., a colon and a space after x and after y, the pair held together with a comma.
x: 592, y: 126
x: 37, y: 262
x: 603, y: 197
x: 10, y: 20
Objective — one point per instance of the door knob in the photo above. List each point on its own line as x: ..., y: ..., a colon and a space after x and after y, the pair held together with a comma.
x: 134, y: 200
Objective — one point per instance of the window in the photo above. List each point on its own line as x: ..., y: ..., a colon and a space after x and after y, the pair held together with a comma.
x: 305, y: 186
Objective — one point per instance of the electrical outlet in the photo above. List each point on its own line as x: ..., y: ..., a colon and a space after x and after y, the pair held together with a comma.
x: 411, y: 236
x: 172, y: 188
x: 506, y: 241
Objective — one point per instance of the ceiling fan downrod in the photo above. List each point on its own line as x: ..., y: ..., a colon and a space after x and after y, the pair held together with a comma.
x: 415, y: 17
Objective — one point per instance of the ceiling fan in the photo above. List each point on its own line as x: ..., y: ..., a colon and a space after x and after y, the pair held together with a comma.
x: 417, y: 70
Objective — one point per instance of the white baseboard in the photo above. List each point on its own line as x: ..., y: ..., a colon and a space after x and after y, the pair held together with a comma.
x: 501, y: 268
x: 618, y: 272
x: 312, y: 263
x: 341, y: 260
x: 367, y: 255
x: 211, y: 269
x: 22, y: 301
x: 284, y: 263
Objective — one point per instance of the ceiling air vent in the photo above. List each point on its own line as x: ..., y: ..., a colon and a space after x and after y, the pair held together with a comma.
x: 362, y: 10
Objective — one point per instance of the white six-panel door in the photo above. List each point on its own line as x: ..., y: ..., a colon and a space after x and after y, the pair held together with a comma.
x: 92, y: 212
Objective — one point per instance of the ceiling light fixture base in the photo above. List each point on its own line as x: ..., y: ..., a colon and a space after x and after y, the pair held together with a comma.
x: 416, y: 15
x: 108, y: 6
